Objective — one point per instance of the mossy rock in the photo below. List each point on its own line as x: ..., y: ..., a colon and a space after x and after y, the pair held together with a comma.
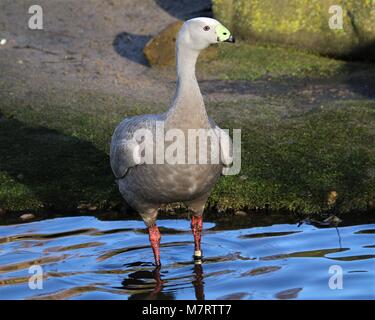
x: 303, y: 23
x: 160, y: 50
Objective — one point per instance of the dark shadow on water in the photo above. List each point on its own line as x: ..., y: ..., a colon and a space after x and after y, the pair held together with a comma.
x: 131, y: 46
x: 186, y: 9
x: 155, y: 286
x: 60, y: 170
x: 144, y: 279
x: 198, y: 281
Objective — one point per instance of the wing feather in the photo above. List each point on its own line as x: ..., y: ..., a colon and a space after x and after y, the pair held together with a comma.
x: 125, y: 151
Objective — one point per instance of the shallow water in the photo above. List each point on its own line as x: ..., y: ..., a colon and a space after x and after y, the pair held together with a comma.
x: 86, y: 258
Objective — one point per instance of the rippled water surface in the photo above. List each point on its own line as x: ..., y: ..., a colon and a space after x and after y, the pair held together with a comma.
x: 86, y: 258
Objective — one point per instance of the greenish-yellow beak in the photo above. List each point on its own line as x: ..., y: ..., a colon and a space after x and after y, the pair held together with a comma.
x: 223, y: 34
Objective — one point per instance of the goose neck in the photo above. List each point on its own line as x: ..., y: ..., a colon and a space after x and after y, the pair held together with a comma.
x: 188, y: 98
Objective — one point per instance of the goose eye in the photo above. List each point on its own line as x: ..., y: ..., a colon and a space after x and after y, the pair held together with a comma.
x: 206, y: 28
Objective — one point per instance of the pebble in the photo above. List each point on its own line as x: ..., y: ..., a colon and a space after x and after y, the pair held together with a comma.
x: 27, y: 216
x: 3, y: 42
x: 240, y: 213
x: 82, y: 206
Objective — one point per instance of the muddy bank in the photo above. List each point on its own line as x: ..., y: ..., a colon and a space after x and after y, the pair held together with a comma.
x: 225, y: 220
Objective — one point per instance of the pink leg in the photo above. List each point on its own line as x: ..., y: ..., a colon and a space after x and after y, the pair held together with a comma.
x: 196, y: 227
x: 154, y: 235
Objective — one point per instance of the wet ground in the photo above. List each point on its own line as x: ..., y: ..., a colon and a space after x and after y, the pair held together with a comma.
x: 245, y: 258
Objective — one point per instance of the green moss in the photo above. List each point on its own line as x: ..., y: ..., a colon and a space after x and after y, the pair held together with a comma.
x: 224, y: 10
x: 287, y: 163
x: 12, y: 191
x: 293, y: 163
x: 251, y: 62
x: 302, y: 23
x: 55, y: 150
x: 54, y: 144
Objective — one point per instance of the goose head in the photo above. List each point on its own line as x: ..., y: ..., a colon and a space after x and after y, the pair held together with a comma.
x: 199, y: 33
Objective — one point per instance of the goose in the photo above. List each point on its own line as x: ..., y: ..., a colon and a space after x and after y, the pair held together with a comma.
x: 147, y: 186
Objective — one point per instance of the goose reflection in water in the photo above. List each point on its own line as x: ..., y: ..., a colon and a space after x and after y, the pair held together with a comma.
x: 152, y: 286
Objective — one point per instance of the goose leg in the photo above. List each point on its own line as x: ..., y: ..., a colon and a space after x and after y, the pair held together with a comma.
x: 154, y: 236
x: 196, y: 227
